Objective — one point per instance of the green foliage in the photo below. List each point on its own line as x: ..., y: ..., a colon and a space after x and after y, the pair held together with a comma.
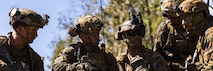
x: 59, y: 46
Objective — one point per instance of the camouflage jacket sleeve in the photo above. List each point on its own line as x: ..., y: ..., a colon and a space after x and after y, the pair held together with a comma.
x: 112, y: 63
x: 159, y: 63
x: 162, y: 35
x: 3, y: 64
x: 65, y: 60
x: 205, y: 50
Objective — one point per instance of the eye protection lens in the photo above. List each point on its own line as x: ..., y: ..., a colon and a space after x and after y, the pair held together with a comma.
x: 99, y: 24
x: 131, y: 33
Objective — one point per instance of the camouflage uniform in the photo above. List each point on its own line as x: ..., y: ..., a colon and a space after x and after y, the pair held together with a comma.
x: 147, y: 60
x: 77, y: 58
x: 69, y: 59
x: 173, y: 42
x: 28, y: 56
x: 15, y: 58
x: 199, y: 22
x: 138, y: 58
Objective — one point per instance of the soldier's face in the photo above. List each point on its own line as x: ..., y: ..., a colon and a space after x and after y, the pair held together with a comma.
x: 192, y: 21
x: 30, y: 33
x: 91, y: 37
x: 168, y: 8
x: 132, y: 39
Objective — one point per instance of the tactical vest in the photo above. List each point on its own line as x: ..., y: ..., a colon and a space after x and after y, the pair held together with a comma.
x: 97, y: 59
x: 142, y: 63
x: 5, y: 56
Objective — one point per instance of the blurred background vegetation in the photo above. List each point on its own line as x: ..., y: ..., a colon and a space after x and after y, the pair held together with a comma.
x: 112, y: 13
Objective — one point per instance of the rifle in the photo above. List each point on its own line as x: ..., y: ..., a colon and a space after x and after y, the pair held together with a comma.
x: 82, y: 60
x: 13, y: 65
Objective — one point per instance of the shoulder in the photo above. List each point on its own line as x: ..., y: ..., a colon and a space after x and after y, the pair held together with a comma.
x: 70, y: 48
x: 209, y: 33
x: 33, y: 52
x: 35, y: 55
x: 161, y: 26
x: 3, y: 39
x: 208, y: 37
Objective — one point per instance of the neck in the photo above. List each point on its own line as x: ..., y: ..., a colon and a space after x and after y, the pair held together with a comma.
x: 134, y: 50
x: 17, y: 41
x: 90, y: 48
x: 175, y: 21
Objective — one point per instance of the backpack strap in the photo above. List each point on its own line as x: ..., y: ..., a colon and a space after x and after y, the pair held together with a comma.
x: 79, y: 51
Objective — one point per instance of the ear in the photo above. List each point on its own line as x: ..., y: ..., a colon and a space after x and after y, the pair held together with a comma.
x: 19, y: 28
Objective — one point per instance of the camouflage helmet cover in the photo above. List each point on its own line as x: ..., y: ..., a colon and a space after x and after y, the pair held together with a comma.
x: 28, y: 16
x: 86, y: 24
x: 192, y: 6
x: 126, y: 26
x: 129, y: 26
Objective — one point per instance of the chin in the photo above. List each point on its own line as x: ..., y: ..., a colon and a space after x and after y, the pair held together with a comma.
x: 30, y: 42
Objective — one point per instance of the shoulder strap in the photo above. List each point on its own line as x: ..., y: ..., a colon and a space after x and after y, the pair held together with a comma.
x: 4, y: 52
x: 29, y: 55
x: 78, y: 51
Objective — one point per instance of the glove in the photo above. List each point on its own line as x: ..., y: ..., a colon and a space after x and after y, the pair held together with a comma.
x: 90, y: 67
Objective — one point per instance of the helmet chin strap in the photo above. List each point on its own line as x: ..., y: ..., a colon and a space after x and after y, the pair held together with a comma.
x: 25, y: 38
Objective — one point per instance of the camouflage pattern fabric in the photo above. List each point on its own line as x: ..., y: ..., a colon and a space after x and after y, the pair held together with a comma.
x: 72, y: 60
x: 205, y: 49
x: 173, y: 41
x: 147, y: 60
x: 20, y: 56
x: 28, y: 16
x: 199, y: 22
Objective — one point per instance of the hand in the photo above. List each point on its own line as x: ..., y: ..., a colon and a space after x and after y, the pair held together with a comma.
x: 86, y: 67
x: 90, y: 67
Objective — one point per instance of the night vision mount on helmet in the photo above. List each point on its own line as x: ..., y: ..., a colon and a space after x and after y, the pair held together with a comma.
x: 27, y: 16
x: 133, y: 26
x: 86, y: 24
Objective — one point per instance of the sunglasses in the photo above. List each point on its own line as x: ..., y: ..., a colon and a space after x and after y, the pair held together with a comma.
x: 131, y: 33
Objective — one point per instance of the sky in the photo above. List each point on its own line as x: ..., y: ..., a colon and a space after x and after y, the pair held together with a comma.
x: 51, y: 7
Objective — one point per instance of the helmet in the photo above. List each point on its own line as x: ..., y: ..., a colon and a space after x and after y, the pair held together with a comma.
x: 168, y: 8
x: 193, y: 6
x: 86, y: 24
x: 134, y: 26
x: 28, y: 16
x: 131, y: 29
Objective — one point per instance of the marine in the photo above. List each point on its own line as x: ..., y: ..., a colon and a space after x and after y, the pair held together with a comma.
x: 137, y: 57
x: 199, y: 22
x: 85, y: 55
x: 15, y: 52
